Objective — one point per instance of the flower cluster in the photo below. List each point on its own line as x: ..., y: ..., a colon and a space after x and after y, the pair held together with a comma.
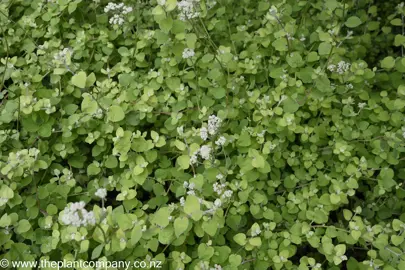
x: 119, y: 10
x: 76, y: 215
x: 187, y: 9
x: 190, y: 188
x: 101, y: 193
x: 62, y: 55
x: 341, y: 68
x: 214, y: 124
x: 220, y: 190
x: 188, y: 53
x: 205, y: 153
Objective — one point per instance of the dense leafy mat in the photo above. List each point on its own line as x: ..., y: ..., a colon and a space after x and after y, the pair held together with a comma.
x: 204, y: 134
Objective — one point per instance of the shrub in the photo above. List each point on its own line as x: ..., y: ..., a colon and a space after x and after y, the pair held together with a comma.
x: 204, y: 134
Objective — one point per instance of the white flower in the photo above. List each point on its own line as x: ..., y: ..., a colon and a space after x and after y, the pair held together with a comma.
x: 101, y: 192
x: 205, y: 152
x: 228, y: 194
x: 187, y: 9
x: 180, y: 130
x: 217, y: 203
x: 185, y: 184
x: 188, y: 53
x: 343, y: 67
x: 182, y: 201
x: 74, y: 214
x: 218, y: 188
x: 219, y: 176
x: 126, y: 10
x: 331, y: 68
x: 361, y: 105
x: 221, y: 141
x: 194, y: 158
x: 191, y: 186
x: 349, y: 86
x: 204, y: 133
x: 116, y: 19
x: 343, y: 257
x: 61, y: 56
x: 214, y: 123
x: 273, y: 11
x: 119, y: 10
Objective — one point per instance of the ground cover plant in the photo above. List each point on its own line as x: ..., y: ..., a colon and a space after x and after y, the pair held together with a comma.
x: 249, y: 134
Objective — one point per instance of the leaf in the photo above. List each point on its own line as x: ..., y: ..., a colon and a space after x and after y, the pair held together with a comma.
x: 192, y: 207
x: 397, y: 239
x: 97, y: 251
x: 23, y: 226
x: 161, y: 217
x: 353, y: 21
x: 280, y: 45
x: 324, y: 48
x: 79, y: 79
x: 255, y: 241
x: 240, y: 239
x: 183, y: 161
x: 210, y: 227
x: 340, y: 249
x: 180, y: 225
x: 322, y: 83
x: 290, y: 105
x: 115, y: 114
x: 388, y: 62
x: 136, y: 234
x: 347, y: 214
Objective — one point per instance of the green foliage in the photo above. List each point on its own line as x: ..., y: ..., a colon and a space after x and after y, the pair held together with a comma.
x: 231, y: 135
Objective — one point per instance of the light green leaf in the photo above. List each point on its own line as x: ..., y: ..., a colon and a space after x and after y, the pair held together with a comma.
x: 79, y: 79
x: 180, y: 225
x: 183, y: 161
x: 240, y: 239
x: 115, y: 114
x: 388, y: 62
x: 353, y: 21
x: 324, y: 48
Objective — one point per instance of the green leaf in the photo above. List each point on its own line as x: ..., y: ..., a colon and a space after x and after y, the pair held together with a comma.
x: 388, y: 62
x: 290, y: 105
x: 192, y: 207
x: 322, y: 83
x: 183, y: 161
x: 136, y: 234
x: 397, y: 240
x: 255, y: 241
x: 324, y: 48
x: 240, y: 239
x: 23, y: 226
x: 180, y: 225
x: 79, y: 79
x: 115, y: 114
x: 347, y: 214
x: 97, y: 251
x: 353, y: 21
x: 161, y: 217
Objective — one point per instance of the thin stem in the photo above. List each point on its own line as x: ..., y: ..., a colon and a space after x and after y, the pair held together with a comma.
x: 8, y: 54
